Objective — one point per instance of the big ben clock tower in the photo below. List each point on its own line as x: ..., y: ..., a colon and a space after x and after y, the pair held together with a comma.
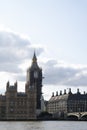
x: 34, y: 80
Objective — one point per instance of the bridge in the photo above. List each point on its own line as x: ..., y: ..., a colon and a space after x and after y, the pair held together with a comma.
x: 77, y: 116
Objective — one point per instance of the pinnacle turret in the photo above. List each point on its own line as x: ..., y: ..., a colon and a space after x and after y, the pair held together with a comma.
x: 34, y: 60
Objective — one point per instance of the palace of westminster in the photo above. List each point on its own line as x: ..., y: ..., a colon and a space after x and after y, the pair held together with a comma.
x: 29, y: 104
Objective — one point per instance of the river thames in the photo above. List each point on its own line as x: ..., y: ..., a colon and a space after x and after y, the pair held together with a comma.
x: 44, y: 125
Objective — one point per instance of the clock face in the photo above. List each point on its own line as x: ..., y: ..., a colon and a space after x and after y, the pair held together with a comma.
x: 35, y: 74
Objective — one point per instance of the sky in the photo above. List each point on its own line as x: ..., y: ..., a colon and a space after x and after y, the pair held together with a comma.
x: 56, y: 30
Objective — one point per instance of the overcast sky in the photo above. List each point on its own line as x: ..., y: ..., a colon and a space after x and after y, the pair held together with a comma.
x: 57, y: 30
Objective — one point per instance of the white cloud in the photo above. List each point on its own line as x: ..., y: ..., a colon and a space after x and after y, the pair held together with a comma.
x: 16, y: 52
x: 14, y: 49
x: 57, y: 73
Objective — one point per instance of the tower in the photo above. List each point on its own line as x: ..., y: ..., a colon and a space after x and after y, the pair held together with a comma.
x: 11, y: 96
x: 34, y: 81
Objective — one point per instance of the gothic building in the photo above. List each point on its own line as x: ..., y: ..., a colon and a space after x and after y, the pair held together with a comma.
x: 23, y: 105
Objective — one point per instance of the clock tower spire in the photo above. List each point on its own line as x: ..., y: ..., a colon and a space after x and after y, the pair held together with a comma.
x: 34, y: 80
x: 34, y: 60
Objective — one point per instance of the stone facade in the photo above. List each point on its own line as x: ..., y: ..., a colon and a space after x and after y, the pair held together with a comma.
x: 23, y: 105
x: 62, y: 104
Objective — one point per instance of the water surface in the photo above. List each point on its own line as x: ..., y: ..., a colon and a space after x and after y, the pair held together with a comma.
x: 44, y: 125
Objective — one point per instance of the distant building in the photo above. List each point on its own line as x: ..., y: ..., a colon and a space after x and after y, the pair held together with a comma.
x: 23, y: 105
x: 62, y: 104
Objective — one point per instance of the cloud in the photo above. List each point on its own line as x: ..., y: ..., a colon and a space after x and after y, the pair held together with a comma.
x: 14, y: 49
x: 80, y: 79
x: 57, y: 73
